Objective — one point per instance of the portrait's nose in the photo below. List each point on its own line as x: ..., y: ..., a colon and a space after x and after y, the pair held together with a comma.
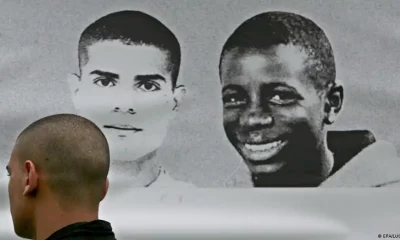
x: 124, y: 110
x: 256, y: 119
x: 123, y: 101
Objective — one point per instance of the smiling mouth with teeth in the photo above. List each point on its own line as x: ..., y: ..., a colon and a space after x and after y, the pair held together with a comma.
x: 262, y: 152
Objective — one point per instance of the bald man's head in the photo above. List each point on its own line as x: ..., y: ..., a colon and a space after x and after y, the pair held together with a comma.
x: 71, y: 155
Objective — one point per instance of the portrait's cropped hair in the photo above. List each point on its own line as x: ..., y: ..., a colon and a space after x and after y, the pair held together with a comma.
x: 132, y: 28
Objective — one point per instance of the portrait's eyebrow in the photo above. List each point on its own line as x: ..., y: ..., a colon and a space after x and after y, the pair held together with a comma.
x: 149, y: 77
x: 232, y: 87
x: 105, y: 74
x: 8, y: 169
x: 278, y: 84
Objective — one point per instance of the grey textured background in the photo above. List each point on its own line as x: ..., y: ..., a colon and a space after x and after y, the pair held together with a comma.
x: 38, y: 42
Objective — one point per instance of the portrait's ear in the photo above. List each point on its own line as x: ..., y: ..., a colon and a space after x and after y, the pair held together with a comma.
x: 334, y: 102
x: 179, y: 94
x: 73, y: 83
x: 31, y: 178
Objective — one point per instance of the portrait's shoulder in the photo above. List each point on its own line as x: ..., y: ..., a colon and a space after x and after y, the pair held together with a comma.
x: 241, y: 178
x: 350, y: 140
x: 383, y: 157
x: 374, y: 166
x: 347, y: 144
x: 391, y: 184
x: 165, y: 180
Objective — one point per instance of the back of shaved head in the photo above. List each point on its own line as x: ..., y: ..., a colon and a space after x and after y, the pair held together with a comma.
x: 70, y: 153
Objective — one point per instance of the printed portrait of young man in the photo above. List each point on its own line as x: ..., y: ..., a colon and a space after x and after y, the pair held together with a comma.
x: 128, y: 85
x: 280, y: 93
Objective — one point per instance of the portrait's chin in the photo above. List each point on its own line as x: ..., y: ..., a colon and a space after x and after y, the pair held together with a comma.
x: 267, y: 168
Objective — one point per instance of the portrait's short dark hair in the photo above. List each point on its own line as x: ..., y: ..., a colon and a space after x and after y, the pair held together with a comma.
x: 270, y: 29
x: 72, y: 152
x: 132, y: 28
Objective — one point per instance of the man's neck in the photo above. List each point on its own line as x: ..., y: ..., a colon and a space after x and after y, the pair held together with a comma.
x: 50, y: 218
x: 136, y: 173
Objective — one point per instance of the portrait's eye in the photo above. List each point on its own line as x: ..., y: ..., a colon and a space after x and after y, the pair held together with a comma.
x: 234, y: 100
x: 104, y: 82
x: 283, y: 98
x: 148, y: 86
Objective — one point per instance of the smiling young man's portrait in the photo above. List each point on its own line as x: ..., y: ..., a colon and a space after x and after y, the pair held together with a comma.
x: 279, y: 93
x: 127, y: 84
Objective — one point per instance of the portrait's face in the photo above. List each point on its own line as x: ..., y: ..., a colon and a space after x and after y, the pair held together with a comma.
x: 20, y: 206
x: 272, y: 113
x: 127, y: 91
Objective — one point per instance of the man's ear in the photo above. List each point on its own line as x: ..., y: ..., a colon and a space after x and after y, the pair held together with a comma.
x: 179, y: 94
x: 31, y: 178
x: 73, y: 83
x: 106, y: 189
x: 333, y: 102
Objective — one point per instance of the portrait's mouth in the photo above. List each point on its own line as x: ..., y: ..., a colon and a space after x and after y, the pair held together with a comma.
x: 123, y: 127
x: 263, y: 151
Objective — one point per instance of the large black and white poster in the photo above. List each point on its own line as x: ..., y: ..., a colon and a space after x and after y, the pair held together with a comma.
x: 213, y: 94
